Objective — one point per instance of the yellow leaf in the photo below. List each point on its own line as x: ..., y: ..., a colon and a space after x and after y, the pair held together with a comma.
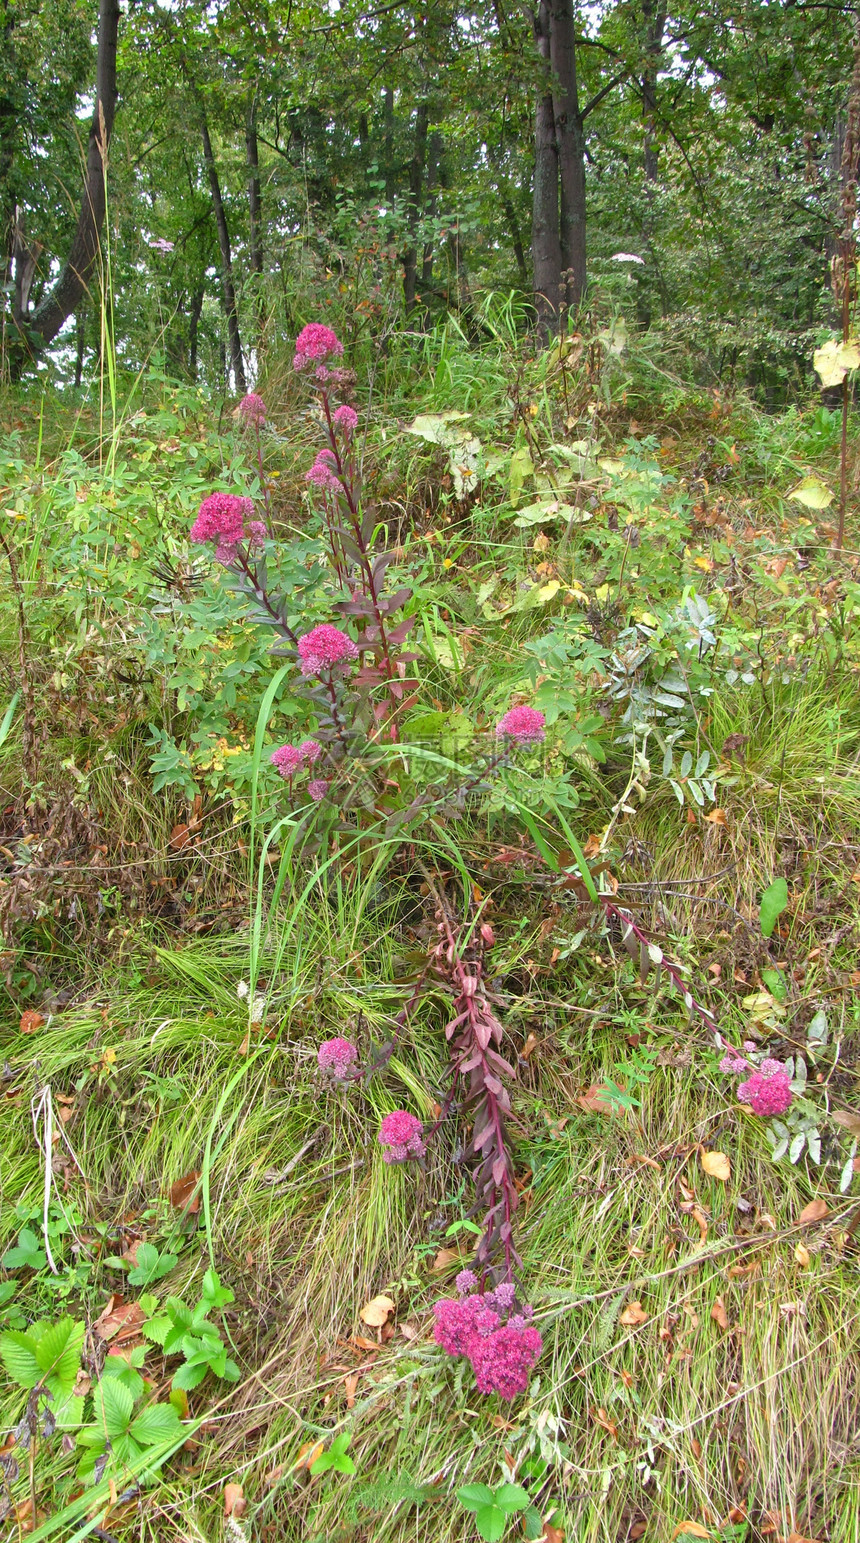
x: 602, y: 593
x: 812, y: 493
x: 833, y: 360
x: 704, y: 563
x: 719, y: 1314
x: 691, y: 1530
x: 801, y: 1254
x: 633, y: 1315
x: 716, y: 1165
x: 376, y: 1311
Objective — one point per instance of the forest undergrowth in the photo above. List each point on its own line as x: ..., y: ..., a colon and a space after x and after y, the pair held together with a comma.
x: 217, y: 1288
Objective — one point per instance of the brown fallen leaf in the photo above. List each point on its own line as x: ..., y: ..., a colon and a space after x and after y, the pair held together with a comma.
x: 235, y: 1503
x: 351, y: 1383
x: 646, y: 1162
x: 801, y: 1255
x: 716, y: 817
x: 601, y: 1418
x: 633, y: 1314
x: 597, y: 1100
x: 375, y: 1312
x: 719, y: 1314
x: 119, y: 1321
x: 701, y: 1222
x: 814, y: 1212
x: 182, y: 1193
x: 409, y: 1331
x: 445, y: 1258
x: 716, y: 1165
x: 552, y: 1534
x: 691, y: 1530
x: 30, y: 1021
x: 848, y: 1120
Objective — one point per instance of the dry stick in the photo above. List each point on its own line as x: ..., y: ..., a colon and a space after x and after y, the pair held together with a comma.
x: 846, y: 263
x: 28, y: 737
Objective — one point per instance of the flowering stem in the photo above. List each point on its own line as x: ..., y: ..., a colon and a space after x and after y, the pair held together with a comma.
x: 261, y: 595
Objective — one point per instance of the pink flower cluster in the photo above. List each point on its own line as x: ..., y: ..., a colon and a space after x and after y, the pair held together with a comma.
x: 402, y: 1136
x: 252, y: 408
x: 325, y: 648
x: 338, y: 1057
x: 226, y: 519
x: 525, y: 725
x: 345, y: 419
x: 502, y: 1354
x: 315, y: 342
x: 290, y: 759
x: 322, y: 473
x: 733, y: 1063
x: 768, y: 1090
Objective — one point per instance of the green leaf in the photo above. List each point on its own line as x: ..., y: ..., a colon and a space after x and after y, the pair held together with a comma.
x: 59, y: 1354
x: 512, y: 1497
x: 474, y: 1495
x: 114, y: 1406
x: 491, y: 1523
x: 812, y: 493
x: 18, y: 1352
x: 773, y: 903
x: 151, y: 1265
x: 159, y: 1422
x: 27, y: 1254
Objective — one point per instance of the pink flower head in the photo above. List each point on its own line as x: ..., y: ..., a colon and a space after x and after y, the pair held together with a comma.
x: 401, y: 1134
x: 288, y: 760
x: 318, y: 788
x: 337, y: 1056
x: 503, y: 1297
x: 767, y: 1091
x: 321, y: 474
x: 325, y: 648
x: 345, y: 419
x: 315, y: 342
x: 252, y: 408
x: 733, y: 1063
x: 311, y: 751
x: 221, y: 518
x: 502, y: 1360
x: 466, y: 1282
x: 524, y: 724
x: 461, y: 1322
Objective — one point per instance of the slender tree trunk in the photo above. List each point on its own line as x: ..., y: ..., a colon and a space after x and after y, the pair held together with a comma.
x: 434, y: 159
x: 194, y: 329
x: 62, y: 301
x: 8, y: 134
x: 255, y: 208
x: 495, y: 156
x: 80, y: 322
x: 388, y: 144
x: 416, y: 185
x: 653, y: 25
x: 227, y: 285
x: 546, y: 237
x: 570, y: 141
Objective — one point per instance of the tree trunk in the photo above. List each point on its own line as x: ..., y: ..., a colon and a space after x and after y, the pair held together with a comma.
x: 227, y: 285
x: 494, y: 153
x: 653, y: 25
x: 80, y: 320
x: 546, y: 238
x: 570, y: 142
x: 434, y: 159
x: 62, y: 301
x: 416, y: 184
x: 388, y: 144
x: 193, y: 330
x: 255, y: 216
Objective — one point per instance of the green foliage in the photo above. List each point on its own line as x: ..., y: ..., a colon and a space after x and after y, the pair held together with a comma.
x: 126, y: 1430
x: 493, y: 1508
x: 45, y: 1355
x: 773, y: 903
x: 28, y: 1254
x: 181, y: 1330
x: 335, y: 1459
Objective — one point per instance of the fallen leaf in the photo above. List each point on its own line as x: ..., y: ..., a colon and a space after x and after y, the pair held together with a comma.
x: 30, y: 1021
x: 552, y: 1534
x: 119, y: 1321
x: 445, y: 1258
x: 716, y: 817
x: 235, y: 1503
x: 597, y: 1100
x: 601, y: 1418
x: 308, y: 1453
x: 848, y: 1120
x: 182, y: 1195
x: 179, y: 838
x: 814, y: 1212
x: 801, y: 1254
x: 633, y: 1314
x: 691, y: 1530
x: 648, y: 1162
x: 701, y: 1222
x: 409, y: 1331
x: 719, y: 1314
x: 529, y: 1046
x: 351, y: 1383
x: 716, y: 1165
x: 376, y: 1311
x: 361, y: 1342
